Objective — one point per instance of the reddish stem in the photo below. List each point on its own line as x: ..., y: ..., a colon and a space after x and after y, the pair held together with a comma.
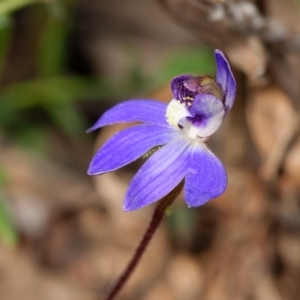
x: 157, y: 218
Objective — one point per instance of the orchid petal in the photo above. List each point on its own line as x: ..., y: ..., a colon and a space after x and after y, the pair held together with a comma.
x: 148, y: 111
x: 208, y: 113
x: 206, y: 177
x: 179, y: 89
x: 128, y: 145
x: 225, y: 79
x: 164, y: 170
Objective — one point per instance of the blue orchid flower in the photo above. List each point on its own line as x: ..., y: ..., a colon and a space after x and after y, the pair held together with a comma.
x: 179, y: 130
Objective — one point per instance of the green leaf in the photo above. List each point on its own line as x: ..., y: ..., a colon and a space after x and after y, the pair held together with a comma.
x: 3, y: 176
x: 9, y: 6
x: 5, y: 39
x: 68, y: 119
x: 52, y: 47
x: 52, y: 90
x: 31, y: 137
x: 8, y: 234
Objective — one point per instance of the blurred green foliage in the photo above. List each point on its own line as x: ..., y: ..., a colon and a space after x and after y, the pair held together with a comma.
x: 196, y: 60
x: 9, y: 6
x: 8, y: 234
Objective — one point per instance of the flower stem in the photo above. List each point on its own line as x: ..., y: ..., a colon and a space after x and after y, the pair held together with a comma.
x: 157, y: 218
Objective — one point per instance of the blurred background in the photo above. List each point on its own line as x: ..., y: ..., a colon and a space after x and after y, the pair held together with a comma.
x: 63, y: 235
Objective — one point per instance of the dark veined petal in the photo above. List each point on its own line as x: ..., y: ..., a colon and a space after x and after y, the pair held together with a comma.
x: 148, y: 111
x: 128, y: 145
x: 179, y: 90
x: 164, y: 170
x: 225, y: 79
x: 208, y: 113
x: 206, y: 177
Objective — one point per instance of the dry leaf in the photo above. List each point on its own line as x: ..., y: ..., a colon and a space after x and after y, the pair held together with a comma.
x: 272, y: 123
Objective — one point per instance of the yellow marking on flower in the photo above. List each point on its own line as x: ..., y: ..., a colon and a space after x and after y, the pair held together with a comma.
x: 151, y: 151
x: 187, y: 98
x: 176, y: 111
x: 209, y: 86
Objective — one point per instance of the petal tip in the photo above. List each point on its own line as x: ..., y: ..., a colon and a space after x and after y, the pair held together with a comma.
x: 127, y: 204
x: 89, y: 130
x: 127, y: 208
x: 220, y: 53
x: 130, y: 206
x: 91, y: 171
x: 94, y: 170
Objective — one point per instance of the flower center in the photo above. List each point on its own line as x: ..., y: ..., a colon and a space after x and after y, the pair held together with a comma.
x: 197, y: 107
x: 176, y: 110
x: 185, y: 88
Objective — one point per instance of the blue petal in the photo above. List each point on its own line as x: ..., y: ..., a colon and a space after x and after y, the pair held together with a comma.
x: 206, y: 178
x: 164, y: 170
x: 208, y: 113
x: 225, y: 79
x: 128, y: 145
x: 148, y: 111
